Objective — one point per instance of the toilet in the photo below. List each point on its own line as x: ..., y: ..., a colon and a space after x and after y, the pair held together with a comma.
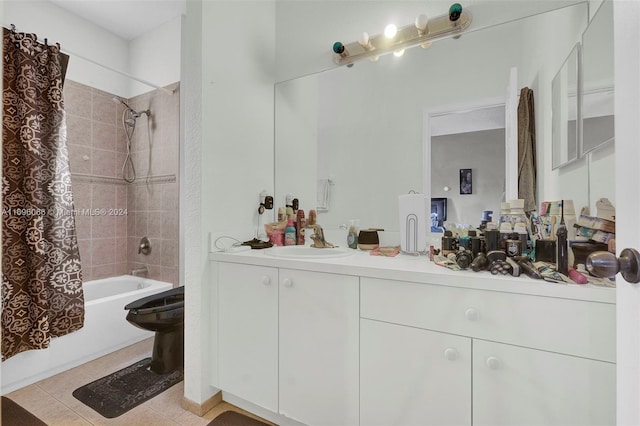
x: 162, y: 313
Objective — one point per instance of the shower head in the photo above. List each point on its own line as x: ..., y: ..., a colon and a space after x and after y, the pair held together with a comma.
x: 119, y: 100
x: 133, y: 114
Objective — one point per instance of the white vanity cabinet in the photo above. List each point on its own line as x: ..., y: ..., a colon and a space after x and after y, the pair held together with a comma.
x: 288, y: 341
x: 248, y: 332
x: 336, y: 343
x: 410, y: 376
x: 319, y: 327
x: 535, y: 360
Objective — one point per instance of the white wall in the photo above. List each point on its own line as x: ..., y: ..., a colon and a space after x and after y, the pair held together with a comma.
x: 154, y: 57
x: 76, y: 36
x: 228, y: 153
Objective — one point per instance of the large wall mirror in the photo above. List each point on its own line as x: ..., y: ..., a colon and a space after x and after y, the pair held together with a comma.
x: 566, y: 110
x: 597, y: 80
x: 352, y: 139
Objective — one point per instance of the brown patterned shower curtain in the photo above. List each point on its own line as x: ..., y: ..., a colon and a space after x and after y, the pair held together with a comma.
x: 41, y: 277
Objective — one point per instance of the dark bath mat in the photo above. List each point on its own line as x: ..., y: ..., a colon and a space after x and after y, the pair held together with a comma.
x: 232, y: 418
x: 14, y: 415
x: 125, y: 389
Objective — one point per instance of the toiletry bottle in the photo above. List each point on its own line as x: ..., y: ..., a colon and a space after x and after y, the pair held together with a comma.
x: 523, y: 236
x: 521, y: 224
x: 290, y: 234
x: 281, y: 214
x: 563, y: 254
x: 513, y: 247
x: 312, y: 217
x: 505, y: 215
x: 448, y: 243
x: 352, y: 236
x: 465, y: 242
x: 505, y: 225
x: 491, y: 237
x: 301, y: 222
x: 475, y: 243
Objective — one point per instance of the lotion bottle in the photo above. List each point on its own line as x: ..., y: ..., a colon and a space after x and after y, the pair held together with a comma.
x: 352, y: 236
x: 290, y: 234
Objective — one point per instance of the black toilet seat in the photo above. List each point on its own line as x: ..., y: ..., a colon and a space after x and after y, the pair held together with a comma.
x: 156, y: 303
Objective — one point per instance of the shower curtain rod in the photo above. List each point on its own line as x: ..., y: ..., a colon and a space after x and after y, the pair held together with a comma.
x: 122, y: 73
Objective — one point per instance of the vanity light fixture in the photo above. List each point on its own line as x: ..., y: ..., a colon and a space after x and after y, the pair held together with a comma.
x: 394, y: 40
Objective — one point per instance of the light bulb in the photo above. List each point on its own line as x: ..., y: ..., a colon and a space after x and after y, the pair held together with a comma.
x: 390, y: 31
x: 421, y: 23
x: 365, y: 42
x: 398, y: 53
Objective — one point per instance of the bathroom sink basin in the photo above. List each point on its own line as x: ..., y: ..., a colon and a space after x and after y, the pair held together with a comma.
x: 307, y: 252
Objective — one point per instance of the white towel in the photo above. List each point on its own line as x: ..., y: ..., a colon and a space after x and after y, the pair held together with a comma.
x: 323, y: 193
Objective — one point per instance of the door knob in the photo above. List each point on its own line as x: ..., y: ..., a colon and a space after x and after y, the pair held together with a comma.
x: 287, y: 282
x: 605, y: 265
x: 266, y: 280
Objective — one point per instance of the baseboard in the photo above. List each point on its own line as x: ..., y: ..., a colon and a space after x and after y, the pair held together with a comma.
x: 265, y: 414
x: 201, y: 409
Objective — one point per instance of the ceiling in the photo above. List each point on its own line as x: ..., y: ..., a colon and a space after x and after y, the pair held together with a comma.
x: 128, y: 19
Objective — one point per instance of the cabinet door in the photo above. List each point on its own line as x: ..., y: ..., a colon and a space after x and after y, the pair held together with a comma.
x: 410, y: 376
x: 248, y: 333
x: 319, y: 322
x: 519, y: 386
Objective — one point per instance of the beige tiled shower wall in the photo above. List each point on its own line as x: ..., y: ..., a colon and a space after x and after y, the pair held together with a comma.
x: 148, y: 207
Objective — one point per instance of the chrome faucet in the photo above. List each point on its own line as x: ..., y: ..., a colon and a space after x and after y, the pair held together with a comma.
x: 318, y: 237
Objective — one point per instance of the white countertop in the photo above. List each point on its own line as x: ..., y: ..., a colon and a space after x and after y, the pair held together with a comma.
x: 419, y: 269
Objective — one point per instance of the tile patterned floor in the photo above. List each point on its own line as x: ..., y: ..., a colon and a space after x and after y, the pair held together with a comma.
x: 52, y: 402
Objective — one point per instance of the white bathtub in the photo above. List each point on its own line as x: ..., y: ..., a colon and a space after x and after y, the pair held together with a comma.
x: 105, y: 330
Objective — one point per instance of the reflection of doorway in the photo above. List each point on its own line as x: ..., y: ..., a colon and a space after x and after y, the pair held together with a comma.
x: 461, y: 139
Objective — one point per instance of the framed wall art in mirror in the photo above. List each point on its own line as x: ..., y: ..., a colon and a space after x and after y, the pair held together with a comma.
x: 565, y: 109
x: 465, y: 181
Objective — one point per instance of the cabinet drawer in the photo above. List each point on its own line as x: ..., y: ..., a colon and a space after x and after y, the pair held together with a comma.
x: 573, y: 327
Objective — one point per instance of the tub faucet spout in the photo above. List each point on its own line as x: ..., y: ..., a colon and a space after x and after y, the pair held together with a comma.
x: 138, y: 271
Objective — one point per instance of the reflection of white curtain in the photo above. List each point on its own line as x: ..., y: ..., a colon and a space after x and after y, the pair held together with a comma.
x: 323, y: 194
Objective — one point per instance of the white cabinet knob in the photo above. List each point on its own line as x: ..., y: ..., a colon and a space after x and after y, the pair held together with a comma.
x: 266, y: 280
x: 287, y: 282
x: 493, y: 363
x: 472, y: 314
x: 451, y: 354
